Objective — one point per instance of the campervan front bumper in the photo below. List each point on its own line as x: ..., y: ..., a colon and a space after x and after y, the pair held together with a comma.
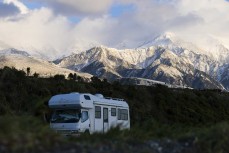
x: 68, y: 132
x: 66, y: 128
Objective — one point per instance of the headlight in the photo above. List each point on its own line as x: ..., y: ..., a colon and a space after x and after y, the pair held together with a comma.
x: 74, y: 132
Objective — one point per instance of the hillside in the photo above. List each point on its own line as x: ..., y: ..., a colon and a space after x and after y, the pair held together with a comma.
x: 160, y: 117
x: 22, y: 60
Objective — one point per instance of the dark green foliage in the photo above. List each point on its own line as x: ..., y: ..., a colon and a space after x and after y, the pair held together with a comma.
x: 214, y: 139
x: 26, y: 134
x: 75, y: 77
x: 95, y: 80
x: 156, y: 112
x: 20, y: 94
x: 59, y: 77
x: 79, y: 79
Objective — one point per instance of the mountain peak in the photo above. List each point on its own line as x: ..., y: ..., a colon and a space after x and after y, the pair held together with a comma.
x: 166, y: 35
x: 161, y: 40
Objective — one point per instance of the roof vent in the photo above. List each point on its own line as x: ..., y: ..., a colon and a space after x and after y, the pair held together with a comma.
x: 99, y: 96
x: 74, y: 93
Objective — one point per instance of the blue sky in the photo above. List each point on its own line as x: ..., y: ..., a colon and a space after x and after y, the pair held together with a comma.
x: 32, y: 5
x: 118, y: 9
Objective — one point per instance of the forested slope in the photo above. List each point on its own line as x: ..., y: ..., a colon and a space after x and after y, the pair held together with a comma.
x: 162, y: 116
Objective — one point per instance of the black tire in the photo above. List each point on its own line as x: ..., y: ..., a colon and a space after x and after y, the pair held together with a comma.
x: 87, y: 132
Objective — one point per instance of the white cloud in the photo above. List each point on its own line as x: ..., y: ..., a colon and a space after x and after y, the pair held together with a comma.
x: 52, y: 33
x: 78, y: 7
x: 214, y: 15
x: 38, y: 30
x: 193, y: 20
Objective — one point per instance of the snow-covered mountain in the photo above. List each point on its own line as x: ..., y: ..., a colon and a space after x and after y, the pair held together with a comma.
x: 215, y: 50
x: 213, y: 60
x: 12, y: 51
x: 152, y: 63
x: 165, y: 58
x: 21, y: 60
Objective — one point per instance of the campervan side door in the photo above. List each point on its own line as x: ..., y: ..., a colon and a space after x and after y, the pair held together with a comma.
x: 113, y: 117
x: 98, y: 122
x: 105, y: 119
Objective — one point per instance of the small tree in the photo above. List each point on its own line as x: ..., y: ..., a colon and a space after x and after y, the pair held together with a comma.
x: 28, y: 71
x: 36, y: 75
x: 70, y: 76
x: 80, y: 79
x: 105, y: 80
x: 95, y: 79
x: 74, y: 76
x: 59, y: 77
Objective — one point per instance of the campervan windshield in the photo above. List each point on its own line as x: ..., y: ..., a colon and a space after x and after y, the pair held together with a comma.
x: 66, y: 116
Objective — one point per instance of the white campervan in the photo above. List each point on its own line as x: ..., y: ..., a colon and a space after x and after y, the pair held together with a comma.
x: 80, y: 112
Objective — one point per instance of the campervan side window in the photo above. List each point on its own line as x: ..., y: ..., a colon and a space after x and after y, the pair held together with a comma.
x: 113, y: 111
x: 87, y: 97
x: 122, y: 114
x: 97, y: 112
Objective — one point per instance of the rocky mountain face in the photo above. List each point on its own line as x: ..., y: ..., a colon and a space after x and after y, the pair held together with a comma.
x: 21, y: 60
x: 165, y: 58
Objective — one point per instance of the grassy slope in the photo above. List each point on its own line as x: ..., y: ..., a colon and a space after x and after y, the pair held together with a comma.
x: 157, y: 113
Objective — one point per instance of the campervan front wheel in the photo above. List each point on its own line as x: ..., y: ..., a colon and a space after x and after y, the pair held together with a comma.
x: 87, y: 132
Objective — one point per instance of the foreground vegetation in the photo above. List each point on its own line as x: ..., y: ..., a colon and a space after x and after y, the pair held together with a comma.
x: 162, y: 116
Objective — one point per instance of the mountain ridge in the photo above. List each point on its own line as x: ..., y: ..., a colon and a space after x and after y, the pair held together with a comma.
x: 165, y: 58
x: 169, y: 61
